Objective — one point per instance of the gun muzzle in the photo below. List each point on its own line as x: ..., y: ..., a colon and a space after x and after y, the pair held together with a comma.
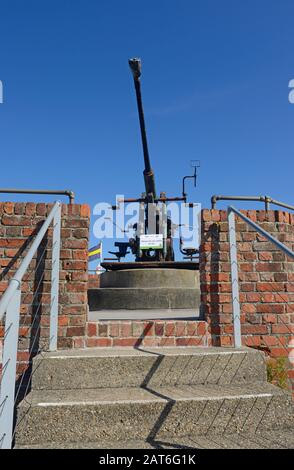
x: 135, y: 66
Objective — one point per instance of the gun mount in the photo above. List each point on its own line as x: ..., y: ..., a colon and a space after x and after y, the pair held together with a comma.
x: 153, y: 239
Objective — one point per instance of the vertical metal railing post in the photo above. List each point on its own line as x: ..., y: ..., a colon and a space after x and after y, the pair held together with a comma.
x: 9, y: 359
x: 234, y: 280
x: 55, y: 280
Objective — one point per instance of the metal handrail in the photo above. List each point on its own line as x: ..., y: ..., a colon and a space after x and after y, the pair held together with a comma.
x: 232, y: 211
x: 266, y: 199
x: 263, y: 232
x: 10, y: 304
x: 67, y: 192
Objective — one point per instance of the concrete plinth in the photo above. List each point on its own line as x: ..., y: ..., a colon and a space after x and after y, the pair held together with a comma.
x: 136, y: 298
x: 157, y: 278
x: 165, y: 292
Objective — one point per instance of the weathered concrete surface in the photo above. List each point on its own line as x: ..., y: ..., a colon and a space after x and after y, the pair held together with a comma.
x: 260, y: 440
x: 128, y: 367
x: 143, y: 298
x: 150, y: 278
x: 151, y: 413
x: 129, y: 398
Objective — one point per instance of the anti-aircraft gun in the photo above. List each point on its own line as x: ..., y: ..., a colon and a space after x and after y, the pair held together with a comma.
x: 154, y: 229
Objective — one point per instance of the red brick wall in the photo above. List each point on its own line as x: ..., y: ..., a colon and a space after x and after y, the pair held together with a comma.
x: 149, y: 333
x: 266, y: 280
x: 18, y: 224
x: 94, y: 281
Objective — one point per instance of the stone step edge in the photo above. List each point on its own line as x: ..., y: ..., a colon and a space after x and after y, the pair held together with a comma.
x: 282, y: 439
x: 129, y: 416
x: 123, y: 352
x: 140, y: 395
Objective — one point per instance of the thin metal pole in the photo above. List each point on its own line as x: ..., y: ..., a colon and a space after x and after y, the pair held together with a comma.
x: 234, y: 280
x: 7, y: 391
x: 282, y: 204
x: 55, y: 280
x: 266, y: 199
x: 68, y: 193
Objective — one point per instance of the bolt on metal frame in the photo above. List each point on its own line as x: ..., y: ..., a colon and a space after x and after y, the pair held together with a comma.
x: 232, y: 212
x: 10, y: 304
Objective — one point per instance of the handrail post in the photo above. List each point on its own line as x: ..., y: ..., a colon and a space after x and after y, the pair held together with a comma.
x: 9, y: 360
x: 55, y: 280
x: 234, y: 279
x: 267, y: 201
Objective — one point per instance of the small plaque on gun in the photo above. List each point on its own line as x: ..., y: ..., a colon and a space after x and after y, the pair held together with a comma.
x: 151, y: 242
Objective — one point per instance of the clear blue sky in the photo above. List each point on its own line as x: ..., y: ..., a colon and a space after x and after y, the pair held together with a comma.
x: 215, y: 88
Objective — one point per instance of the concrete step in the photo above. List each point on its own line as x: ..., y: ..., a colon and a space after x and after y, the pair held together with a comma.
x: 281, y: 439
x: 128, y: 367
x: 150, y: 277
x: 143, y: 298
x: 150, y: 413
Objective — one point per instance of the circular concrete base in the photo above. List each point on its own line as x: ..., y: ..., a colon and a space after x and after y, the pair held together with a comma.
x: 138, y: 298
x: 180, y: 278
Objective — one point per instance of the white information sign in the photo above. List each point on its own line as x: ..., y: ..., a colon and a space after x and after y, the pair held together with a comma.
x: 151, y: 241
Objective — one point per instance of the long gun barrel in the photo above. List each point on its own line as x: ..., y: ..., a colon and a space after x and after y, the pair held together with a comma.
x: 135, y: 65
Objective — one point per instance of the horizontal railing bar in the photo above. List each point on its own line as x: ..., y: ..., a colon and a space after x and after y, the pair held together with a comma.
x: 16, y: 280
x: 266, y: 199
x: 238, y: 198
x: 269, y: 237
x: 282, y: 204
x: 68, y: 193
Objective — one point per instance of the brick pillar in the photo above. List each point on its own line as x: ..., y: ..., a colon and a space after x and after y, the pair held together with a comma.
x: 266, y: 280
x: 19, y: 223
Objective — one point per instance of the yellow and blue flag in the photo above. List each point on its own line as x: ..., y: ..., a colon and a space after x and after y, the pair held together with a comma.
x: 95, y: 252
